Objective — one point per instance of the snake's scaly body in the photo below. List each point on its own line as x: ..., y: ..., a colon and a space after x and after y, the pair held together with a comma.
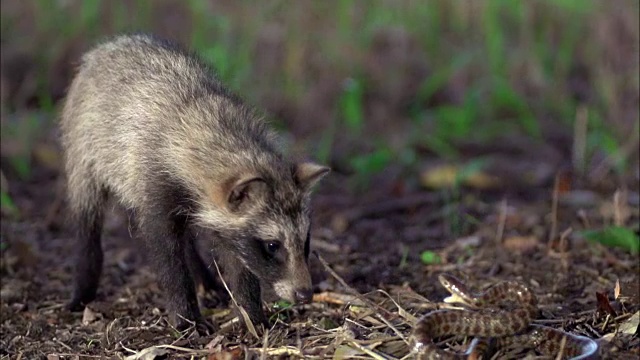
x: 504, y: 312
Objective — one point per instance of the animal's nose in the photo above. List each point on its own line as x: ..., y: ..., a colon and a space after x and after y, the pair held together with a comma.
x: 304, y: 296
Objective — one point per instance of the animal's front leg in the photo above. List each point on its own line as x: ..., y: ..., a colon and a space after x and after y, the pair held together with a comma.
x: 166, y: 246
x: 245, y: 288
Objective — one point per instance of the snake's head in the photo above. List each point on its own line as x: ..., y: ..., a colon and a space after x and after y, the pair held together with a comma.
x: 459, y: 292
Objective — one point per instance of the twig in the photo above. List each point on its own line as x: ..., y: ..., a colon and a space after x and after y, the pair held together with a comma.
x: 369, y: 352
x: 283, y: 350
x: 265, y: 344
x: 349, y: 288
x: 563, y: 345
x: 502, y: 221
x: 584, y: 218
x: 229, y: 323
x: 620, y: 208
x: 401, y: 311
x: 164, y: 346
x: 386, y: 322
x: 109, y: 328
x: 358, y: 324
x: 563, y: 239
x: 243, y: 312
x: 554, y: 210
x: 580, y: 138
x: 64, y: 345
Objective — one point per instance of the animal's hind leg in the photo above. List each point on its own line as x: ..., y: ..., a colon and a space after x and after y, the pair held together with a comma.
x: 86, y: 200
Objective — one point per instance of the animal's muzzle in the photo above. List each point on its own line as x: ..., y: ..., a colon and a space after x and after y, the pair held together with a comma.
x: 304, y: 296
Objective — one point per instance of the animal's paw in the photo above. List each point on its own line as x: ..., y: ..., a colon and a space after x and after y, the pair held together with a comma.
x: 75, y: 305
x: 213, y: 299
x: 205, y: 327
x: 201, y: 325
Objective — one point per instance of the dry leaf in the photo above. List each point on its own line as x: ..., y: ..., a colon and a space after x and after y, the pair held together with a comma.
x: 360, y: 311
x: 346, y: 352
x: 521, y: 244
x: 149, y: 353
x: 336, y: 298
x: 231, y: 354
x: 439, y: 177
x: 565, y: 181
x: 47, y: 155
x: 481, y: 180
x: 89, y: 316
x: 214, y: 342
x: 468, y: 241
x: 339, y: 223
x: 604, y: 306
x: 447, y: 176
x: 631, y: 325
x: 629, y: 290
x: 616, y: 290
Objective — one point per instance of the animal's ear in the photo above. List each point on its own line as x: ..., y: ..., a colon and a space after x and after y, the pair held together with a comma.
x: 308, y: 174
x: 245, y: 192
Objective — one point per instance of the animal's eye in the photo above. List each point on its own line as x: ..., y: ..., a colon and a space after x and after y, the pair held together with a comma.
x: 271, y: 247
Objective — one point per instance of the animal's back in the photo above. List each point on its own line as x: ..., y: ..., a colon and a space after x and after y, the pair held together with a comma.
x: 138, y: 105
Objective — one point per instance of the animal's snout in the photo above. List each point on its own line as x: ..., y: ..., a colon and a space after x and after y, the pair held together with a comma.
x: 304, y: 296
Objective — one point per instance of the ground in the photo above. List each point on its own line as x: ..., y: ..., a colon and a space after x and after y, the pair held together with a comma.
x: 371, y: 242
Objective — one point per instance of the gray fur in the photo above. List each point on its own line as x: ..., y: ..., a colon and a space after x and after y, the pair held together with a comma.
x: 148, y: 123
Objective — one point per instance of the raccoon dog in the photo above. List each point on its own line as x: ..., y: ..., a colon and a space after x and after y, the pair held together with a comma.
x: 147, y: 123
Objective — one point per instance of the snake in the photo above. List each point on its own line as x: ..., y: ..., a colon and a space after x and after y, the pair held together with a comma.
x: 502, y: 314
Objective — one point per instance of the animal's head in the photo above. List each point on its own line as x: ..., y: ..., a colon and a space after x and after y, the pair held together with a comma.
x: 268, y: 222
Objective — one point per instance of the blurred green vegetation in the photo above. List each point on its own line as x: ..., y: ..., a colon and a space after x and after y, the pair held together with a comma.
x: 615, y: 236
x: 429, y: 257
x: 452, y: 70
